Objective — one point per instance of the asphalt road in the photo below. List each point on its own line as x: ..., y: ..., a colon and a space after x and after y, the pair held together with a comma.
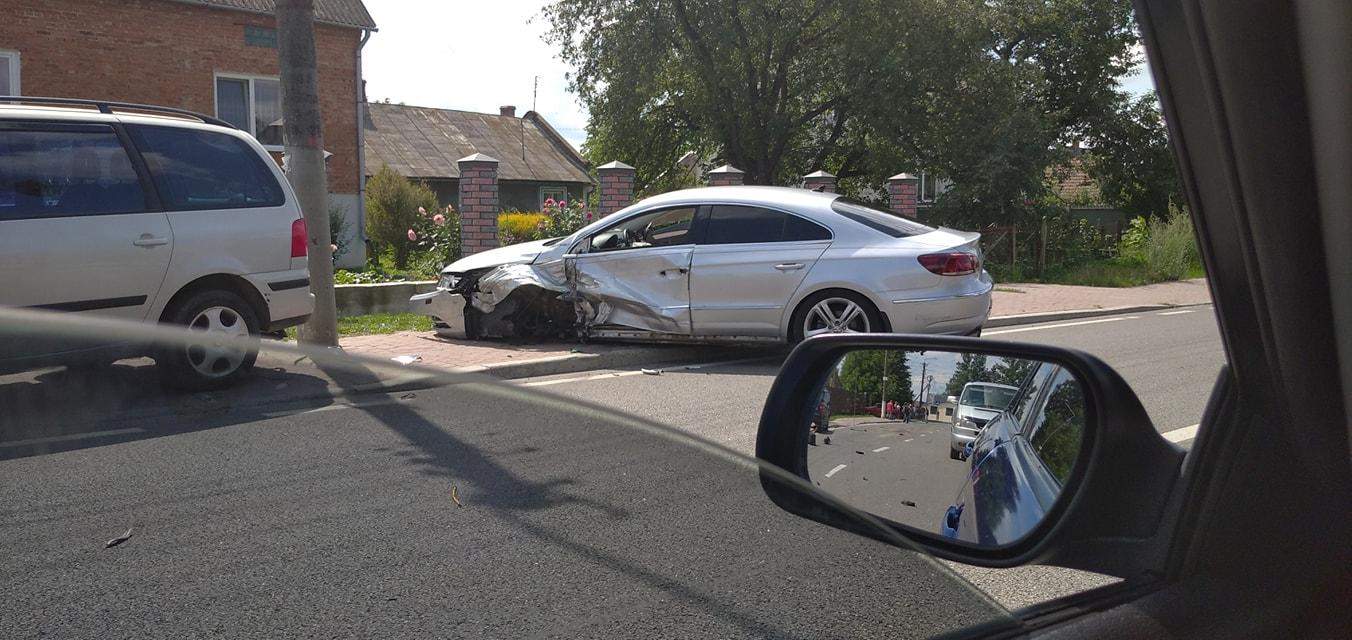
x: 545, y: 507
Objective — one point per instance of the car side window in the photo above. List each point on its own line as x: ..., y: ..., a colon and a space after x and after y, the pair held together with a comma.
x: 1059, y: 426
x: 1023, y: 406
x: 66, y: 170
x: 661, y: 228
x: 195, y: 169
x: 736, y: 224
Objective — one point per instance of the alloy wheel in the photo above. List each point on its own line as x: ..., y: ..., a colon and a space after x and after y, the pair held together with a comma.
x: 835, y: 315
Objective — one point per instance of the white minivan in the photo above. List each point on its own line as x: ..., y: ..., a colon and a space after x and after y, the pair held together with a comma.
x: 978, y: 404
x: 151, y: 215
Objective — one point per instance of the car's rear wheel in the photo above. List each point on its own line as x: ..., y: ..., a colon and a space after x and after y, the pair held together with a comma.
x: 228, y: 344
x: 834, y: 311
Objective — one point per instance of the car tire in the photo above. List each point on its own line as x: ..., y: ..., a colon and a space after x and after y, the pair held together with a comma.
x: 198, y: 367
x: 832, y: 297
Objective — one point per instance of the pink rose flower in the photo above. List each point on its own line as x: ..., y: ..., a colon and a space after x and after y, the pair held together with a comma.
x: 588, y: 216
x: 563, y: 203
x: 422, y: 211
x: 549, y: 202
x: 333, y: 248
x: 412, y: 235
x: 439, y: 219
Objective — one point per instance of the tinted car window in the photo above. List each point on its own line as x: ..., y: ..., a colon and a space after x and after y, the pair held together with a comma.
x: 733, y: 224
x: 66, y: 171
x: 196, y: 169
x: 1058, y: 427
x: 661, y: 228
x: 877, y: 219
x: 1022, y: 410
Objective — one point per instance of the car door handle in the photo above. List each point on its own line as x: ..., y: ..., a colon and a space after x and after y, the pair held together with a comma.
x: 147, y: 240
x: 789, y: 266
x: 677, y: 271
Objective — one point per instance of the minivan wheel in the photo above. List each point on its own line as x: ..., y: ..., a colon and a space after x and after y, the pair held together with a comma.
x: 228, y: 347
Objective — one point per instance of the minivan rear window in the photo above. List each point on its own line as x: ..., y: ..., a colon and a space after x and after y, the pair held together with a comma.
x: 195, y: 169
x: 877, y: 219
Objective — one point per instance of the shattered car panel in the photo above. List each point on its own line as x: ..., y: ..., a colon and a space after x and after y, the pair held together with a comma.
x: 648, y: 290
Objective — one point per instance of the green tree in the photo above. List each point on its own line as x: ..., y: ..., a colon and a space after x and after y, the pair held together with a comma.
x: 862, y: 373
x: 1130, y: 159
x: 980, y: 91
x: 1011, y: 371
x: 392, y: 203
x: 970, y: 368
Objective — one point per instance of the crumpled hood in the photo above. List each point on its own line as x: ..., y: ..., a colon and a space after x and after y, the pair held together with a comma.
x: 522, y: 253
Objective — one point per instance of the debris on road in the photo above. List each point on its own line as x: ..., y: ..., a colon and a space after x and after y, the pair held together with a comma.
x: 859, y: 452
x: 408, y: 395
x: 651, y: 372
x: 827, y: 440
x: 908, y: 503
x: 407, y: 360
x: 118, y: 540
x: 455, y: 495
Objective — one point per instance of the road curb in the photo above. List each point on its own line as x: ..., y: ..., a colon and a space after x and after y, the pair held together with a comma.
x: 1071, y: 314
x: 621, y: 357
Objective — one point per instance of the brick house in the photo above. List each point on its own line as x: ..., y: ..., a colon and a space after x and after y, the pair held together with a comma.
x: 217, y: 57
x: 534, y: 162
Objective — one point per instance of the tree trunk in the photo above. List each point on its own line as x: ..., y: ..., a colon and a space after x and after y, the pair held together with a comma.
x: 305, y: 158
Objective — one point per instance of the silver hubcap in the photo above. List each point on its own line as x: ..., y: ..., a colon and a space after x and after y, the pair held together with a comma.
x: 835, y: 315
x: 222, y: 349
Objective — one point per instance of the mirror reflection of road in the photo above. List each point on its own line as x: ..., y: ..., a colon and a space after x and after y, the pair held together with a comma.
x: 891, y: 468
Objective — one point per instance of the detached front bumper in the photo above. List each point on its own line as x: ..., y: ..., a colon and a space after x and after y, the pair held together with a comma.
x: 447, y: 310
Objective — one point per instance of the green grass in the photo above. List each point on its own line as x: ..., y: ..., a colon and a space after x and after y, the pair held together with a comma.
x: 1112, y: 272
x: 377, y: 323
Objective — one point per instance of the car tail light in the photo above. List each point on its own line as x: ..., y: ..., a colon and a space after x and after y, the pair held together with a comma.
x: 298, y: 238
x: 950, y: 263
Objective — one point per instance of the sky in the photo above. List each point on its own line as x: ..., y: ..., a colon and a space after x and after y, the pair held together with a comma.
x: 474, y: 56
x: 477, y: 56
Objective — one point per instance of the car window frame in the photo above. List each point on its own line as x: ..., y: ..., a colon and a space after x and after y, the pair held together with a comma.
x: 707, y: 213
x: 1043, y: 400
x: 151, y: 196
x: 584, y: 243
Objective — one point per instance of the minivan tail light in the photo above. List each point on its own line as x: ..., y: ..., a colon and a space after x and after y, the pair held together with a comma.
x: 950, y: 263
x: 298, y: 238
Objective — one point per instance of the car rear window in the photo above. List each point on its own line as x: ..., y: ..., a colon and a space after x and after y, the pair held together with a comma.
x: 66, y: 170
x: 877, y: 219
x: 195, y: 169
x: 737, y: 224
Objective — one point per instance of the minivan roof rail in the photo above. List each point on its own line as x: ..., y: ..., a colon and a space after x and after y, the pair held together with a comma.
x: 105, y: 106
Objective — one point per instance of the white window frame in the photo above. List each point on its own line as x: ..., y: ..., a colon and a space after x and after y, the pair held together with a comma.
x: 551, y: 191
x: 251, y: 78
x: 14, y: 67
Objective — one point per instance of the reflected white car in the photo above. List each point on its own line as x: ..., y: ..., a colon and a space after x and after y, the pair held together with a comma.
x: 722, y: 264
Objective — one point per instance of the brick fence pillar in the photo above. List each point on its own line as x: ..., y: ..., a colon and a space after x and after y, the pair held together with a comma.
x: 726, y: 176
x: 902, y: 192
x: 617, y: 187
x: 478, y: 203
x: 820, y: 181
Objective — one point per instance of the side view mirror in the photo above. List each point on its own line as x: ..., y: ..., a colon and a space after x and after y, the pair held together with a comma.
x: 604, y: 241
x: 1047, y: 456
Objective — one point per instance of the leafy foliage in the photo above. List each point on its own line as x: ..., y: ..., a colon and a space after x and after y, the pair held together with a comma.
x: 862, y: 372
x: 971, y: 368
x: 564, y: 217
x: 1130, y: 160
x: 1011, y: 371
x: 392, y: 204
x: 519, y: 226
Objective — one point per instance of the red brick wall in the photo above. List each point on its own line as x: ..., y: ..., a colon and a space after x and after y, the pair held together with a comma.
x: 478, y: 206
x: 902, y: 193
x: 166, y: 53
x: 617, y: 189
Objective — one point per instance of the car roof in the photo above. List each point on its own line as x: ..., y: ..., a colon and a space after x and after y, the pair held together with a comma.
x: 787, y: 196
x: 90, y: 113
x: 990, y: 384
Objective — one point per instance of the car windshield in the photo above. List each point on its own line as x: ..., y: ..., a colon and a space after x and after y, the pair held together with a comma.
x: 878, y: 220
x: 987, y: 397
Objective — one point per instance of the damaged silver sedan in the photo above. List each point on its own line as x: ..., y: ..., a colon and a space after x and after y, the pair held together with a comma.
x: 721, y: 264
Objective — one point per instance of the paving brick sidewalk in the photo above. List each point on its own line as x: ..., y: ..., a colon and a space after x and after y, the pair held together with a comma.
x: 1017, y: 298
x: 1010, y: 299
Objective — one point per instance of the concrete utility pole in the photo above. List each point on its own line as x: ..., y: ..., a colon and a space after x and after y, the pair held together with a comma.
x: 305, y: 158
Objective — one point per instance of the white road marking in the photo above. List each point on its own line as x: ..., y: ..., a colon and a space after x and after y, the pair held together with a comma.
x: 881, y: 449
x: 1179, y: 435
x: 1174, y: 313
x: 908, y: 439
x: 72, y: 436
x: 833, y: 471
x: 1057, y: 326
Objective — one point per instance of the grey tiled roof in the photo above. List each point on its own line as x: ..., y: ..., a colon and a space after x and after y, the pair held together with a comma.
x: 344, y: 13
x: 421, y: 142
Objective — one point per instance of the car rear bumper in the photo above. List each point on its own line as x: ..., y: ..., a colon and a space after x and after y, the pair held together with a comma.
x: 955, y: 313
x: 287, y: 294
x: 446, y: 309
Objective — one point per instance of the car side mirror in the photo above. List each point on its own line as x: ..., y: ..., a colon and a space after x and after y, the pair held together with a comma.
x: 605, y: 241
x: 1048, y: 456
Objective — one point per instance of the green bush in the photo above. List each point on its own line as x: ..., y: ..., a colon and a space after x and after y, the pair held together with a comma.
x: 1170, y: 249
x: 520, y: 226
x: 392, y: 212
